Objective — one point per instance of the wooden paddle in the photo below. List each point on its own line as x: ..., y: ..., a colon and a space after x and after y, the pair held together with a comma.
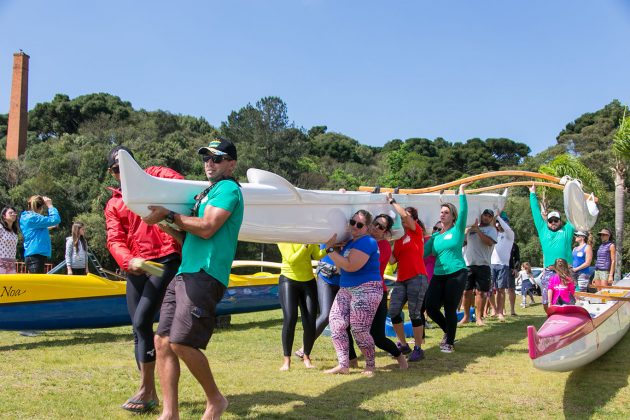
x: 609, y: 287
x: 602, y: 296
x: 443, y: 188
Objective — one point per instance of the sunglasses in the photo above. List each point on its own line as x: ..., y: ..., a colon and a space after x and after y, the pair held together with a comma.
x: 353, y: 222
x: 378, y: 226
x: 604, y: 234
x: 115, y: 169
x: 553, y: 220
x: 435, y: 228
x: 215, y: 158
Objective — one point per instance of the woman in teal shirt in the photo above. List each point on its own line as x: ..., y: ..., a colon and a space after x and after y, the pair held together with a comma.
x: 449, y: 278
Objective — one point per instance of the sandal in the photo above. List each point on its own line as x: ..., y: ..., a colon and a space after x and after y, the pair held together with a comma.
x: 299, y: 353
x: 142, y: 406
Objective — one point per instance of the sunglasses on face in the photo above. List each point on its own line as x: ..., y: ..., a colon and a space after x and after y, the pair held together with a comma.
x: 353, y: 222
x: 214, y: 158
x: 553, y: 220
x: 115, y: 169
x: 435, y: 228
x: 378, y: 226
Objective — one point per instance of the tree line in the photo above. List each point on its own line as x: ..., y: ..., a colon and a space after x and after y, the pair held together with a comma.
x: 68, y: 140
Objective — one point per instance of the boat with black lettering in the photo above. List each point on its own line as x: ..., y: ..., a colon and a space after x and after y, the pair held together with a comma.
x: 59, y: 301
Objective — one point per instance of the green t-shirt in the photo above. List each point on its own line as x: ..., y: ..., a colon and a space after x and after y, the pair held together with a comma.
x: 215, y: 254
x: 447, y: 247
x: 554, y: 244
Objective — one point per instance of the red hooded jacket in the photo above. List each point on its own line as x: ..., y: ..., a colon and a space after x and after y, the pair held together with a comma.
x: 128, y: 236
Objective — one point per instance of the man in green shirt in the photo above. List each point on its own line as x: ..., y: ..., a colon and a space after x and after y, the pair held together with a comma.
x: 555, y: 238
x: 188, y: 310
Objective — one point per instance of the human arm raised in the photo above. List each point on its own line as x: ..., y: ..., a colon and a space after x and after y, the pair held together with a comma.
x: 539, y: 222
x: 407, y: 221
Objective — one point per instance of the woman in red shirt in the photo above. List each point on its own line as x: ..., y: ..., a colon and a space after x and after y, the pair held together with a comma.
x: 412, y: 283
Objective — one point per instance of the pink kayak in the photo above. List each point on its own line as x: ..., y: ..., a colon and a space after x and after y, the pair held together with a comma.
x: 575, y: 335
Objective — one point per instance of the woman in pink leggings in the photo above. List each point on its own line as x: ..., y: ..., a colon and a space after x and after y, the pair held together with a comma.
x: 360, y: 292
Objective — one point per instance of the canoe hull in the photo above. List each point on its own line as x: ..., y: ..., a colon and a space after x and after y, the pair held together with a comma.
x: 55, y: 302
x: 575, y: 336
x: 276, y: 211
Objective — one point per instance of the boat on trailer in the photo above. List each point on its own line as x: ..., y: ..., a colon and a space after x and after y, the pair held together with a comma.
x: 575, y: 335
x: 59, y: 301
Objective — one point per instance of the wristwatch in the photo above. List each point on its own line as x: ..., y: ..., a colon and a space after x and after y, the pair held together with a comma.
x: 330, y: 250
x: 170, y: 217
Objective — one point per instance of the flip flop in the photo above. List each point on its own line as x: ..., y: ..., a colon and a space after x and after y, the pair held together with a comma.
x: 144, y: 406
x: 299, y: 353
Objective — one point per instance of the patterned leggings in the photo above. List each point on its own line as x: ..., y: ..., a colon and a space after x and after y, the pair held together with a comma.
x: 355, y: 306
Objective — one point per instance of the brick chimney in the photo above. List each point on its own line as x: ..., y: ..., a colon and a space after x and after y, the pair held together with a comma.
x: 18, y: 109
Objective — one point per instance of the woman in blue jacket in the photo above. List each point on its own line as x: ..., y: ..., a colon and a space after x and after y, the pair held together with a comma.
x: 34, y: 223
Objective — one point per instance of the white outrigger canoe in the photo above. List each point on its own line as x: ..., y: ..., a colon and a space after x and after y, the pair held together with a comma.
x: 575, y: 335
x: 277, y: 211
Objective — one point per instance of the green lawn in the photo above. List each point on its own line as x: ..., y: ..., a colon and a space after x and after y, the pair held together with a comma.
x: 89, y: 373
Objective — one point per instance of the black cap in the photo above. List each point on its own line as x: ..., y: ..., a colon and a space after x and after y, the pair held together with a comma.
x: 488, y: 211
x: 219, y: 146
x: 112, y: 157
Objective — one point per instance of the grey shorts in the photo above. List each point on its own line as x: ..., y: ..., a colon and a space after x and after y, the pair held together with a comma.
x: 601, y: 275
x: 582, y: 280
x: 410, y: 291
x: 502, y: 277
x: 188, y: 310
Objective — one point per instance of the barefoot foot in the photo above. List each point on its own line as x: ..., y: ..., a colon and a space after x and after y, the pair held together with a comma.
x: 338, y: 370
x: 368, y: 371
x: 214, y: 411
x: 402, y: 362
x: 307, y: 362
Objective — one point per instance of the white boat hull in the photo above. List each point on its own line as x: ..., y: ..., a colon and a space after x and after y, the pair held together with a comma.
x: 591, y: 346
x: 276, y: 211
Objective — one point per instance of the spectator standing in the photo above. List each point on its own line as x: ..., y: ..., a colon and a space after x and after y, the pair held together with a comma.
x: 8, y: 240
x: 76, y: 251
x: 39, y: 216
x: 582, y: 259
x: 606, y: 259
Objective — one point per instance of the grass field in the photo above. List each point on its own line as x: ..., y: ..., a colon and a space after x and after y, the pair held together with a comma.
x: 89, y: 373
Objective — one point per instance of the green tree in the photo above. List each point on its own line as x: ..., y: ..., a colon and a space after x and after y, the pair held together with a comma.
x: 621, y: 151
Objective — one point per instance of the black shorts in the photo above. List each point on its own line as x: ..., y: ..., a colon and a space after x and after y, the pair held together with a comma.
x: 188, y: 310
x: 479, y: 277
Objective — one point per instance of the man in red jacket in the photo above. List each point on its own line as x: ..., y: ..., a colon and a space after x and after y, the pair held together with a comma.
x: 129, y: 237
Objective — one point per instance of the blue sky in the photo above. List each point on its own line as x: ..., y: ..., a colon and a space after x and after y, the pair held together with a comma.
x: 372, y: 70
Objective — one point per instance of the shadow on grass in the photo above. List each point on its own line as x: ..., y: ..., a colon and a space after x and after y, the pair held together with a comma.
x: 345, y: 400
x: 591, y: 387
x: 69, y: 338
x: 264, y: 324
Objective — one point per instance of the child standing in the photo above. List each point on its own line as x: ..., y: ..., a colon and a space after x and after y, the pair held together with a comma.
x: 561, y: 285
x: 526, y: 279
